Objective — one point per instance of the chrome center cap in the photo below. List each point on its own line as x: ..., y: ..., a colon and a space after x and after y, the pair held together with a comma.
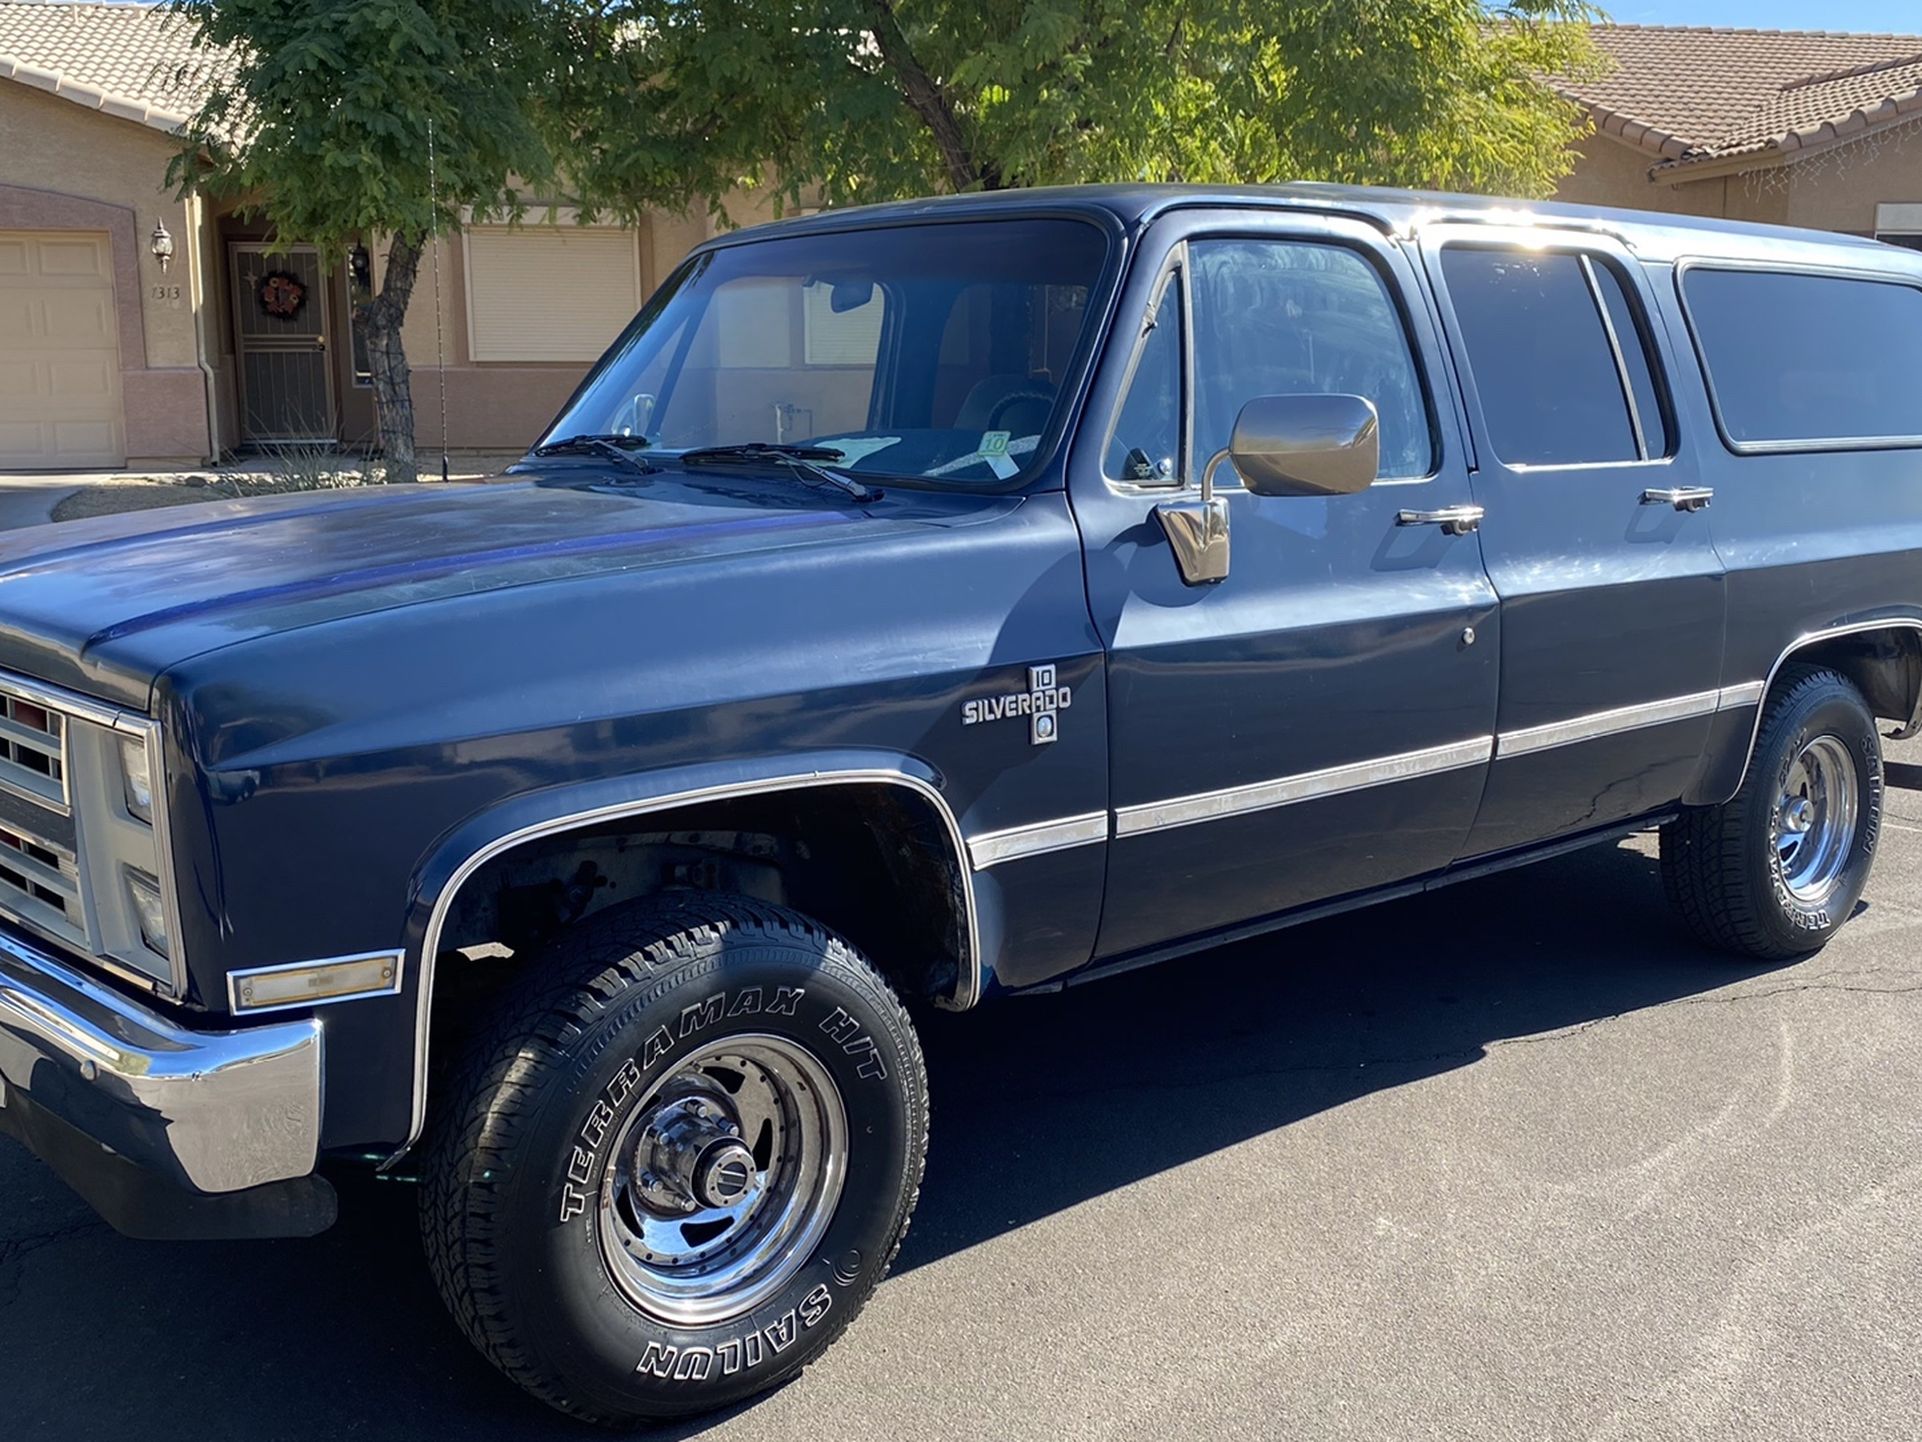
x: 724, y: 1173
x: 1798, y: 816
x: 690, y: 1156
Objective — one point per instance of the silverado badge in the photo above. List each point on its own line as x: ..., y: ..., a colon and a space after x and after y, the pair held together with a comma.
x: 1041, y: 703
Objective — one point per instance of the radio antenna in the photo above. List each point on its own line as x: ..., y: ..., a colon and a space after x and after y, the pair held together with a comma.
x: 440, y: 345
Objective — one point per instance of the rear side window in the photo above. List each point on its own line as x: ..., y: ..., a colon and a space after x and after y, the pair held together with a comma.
x: 1800, y: 359
x: 1560, y: 358
x: 1632, y: 341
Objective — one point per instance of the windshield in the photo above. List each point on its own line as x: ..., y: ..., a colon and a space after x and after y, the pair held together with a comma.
x: 935, y: 352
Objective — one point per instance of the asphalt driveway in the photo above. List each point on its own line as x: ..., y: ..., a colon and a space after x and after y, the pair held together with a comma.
x: 1507, y: 1161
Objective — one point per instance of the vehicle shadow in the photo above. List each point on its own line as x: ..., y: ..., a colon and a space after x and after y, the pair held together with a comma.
x: 1039, y: 1104
x: 1044, y: 1102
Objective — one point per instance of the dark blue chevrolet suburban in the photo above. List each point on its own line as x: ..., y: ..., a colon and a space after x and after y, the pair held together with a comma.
x: 919, y: 605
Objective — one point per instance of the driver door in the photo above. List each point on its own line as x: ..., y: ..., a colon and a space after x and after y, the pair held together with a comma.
x: 1320, y: 721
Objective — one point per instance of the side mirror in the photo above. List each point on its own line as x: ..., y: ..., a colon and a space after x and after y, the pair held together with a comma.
x: 1310, y: 445
x: 635, y: 416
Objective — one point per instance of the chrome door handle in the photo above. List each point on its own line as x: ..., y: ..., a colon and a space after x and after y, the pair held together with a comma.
x: 1454, y: 520
x: 1683, y: 498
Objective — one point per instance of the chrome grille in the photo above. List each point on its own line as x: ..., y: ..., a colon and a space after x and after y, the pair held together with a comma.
x: 40, y: 882
x: 33, y: 750
x: 69, y: 843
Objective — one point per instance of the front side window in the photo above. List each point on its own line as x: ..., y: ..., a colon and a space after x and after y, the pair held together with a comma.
x: 1559, y: 358
x: 1809, y: 358
x: 939, y: 352
x: 1294, y: 318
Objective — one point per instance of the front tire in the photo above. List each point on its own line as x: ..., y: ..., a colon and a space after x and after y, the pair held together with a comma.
x: 1775, y: 871
x: 681, y: 1161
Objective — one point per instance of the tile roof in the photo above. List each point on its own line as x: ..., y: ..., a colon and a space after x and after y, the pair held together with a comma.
x: 1697, y: 93
x: 134, y: 61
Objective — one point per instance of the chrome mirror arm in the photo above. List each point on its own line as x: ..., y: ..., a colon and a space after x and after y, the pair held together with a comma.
x: 1197, y: 531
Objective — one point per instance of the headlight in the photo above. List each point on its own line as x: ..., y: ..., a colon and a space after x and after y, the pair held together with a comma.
x: 144, y: 891
x: 136, y: 777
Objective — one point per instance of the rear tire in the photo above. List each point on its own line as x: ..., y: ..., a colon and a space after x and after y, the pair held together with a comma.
x: 1775, y: 871
x: 680, y: 1162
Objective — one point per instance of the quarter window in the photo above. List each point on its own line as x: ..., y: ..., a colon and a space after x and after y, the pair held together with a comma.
x: 1560, y: 358
x: 1809, y: 358
x: 1632, y: 341
x: 1146, y: 445
x: 1287, y: 318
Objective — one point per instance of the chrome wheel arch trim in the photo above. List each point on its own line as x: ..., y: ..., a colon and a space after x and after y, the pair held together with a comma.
x: 967, y: 984
x: 1802, y: 643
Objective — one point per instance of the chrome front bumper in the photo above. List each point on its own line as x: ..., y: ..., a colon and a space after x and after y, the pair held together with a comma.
x: 90, y: 1078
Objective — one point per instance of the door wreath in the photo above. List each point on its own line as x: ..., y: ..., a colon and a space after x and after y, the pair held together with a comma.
x: 281, y: 295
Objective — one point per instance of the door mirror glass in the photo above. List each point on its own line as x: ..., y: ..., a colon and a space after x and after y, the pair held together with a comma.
x: 1306, y: 445
x: 635, y: 415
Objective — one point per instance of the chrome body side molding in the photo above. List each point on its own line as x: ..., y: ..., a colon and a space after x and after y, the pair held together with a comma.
x: 993, y: 847
x: 1353, y: 776
x: 1306, y: 786
x: 967, y: 984
x: 1606, y: 723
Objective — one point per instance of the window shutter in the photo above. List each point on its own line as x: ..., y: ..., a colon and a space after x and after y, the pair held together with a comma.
x: 551, y: 293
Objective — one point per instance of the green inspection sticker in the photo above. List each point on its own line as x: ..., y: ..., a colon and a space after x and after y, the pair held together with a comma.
x: 994, y: 443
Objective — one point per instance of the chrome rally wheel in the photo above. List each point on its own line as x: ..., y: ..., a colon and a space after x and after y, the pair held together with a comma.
x: 722, y: 1178
x: 1815, y: 819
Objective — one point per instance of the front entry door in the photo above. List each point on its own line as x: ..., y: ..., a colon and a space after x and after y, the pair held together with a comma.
x: 1319, y: 722
x: 1596, y: 531
x: 280, y: 326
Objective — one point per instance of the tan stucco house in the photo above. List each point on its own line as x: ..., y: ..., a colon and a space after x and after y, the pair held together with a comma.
x: 107, y: 358
x: 1792, y: 127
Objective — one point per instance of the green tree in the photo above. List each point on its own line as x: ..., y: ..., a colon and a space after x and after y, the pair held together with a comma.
x: 322, y: 124
x: 324, y: 120
x: 847, y: 100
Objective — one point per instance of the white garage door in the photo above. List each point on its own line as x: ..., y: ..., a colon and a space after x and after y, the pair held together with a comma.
x: 59, y: 353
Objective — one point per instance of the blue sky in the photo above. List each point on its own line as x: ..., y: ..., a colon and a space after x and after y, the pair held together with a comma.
x: 1900, y: 16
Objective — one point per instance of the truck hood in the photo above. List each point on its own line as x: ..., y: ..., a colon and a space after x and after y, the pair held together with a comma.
x: 105, y: 606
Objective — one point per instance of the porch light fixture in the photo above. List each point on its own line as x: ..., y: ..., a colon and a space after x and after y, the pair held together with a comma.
x: 162, y: 245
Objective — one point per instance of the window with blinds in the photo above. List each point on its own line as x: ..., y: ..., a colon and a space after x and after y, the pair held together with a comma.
x: 549, y: 293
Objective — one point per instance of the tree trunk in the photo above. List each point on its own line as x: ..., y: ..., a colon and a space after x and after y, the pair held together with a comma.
x: 928, y: 100
x: 380, y: 320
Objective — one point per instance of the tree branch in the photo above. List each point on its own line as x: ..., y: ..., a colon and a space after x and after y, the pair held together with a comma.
x: 928, y: 100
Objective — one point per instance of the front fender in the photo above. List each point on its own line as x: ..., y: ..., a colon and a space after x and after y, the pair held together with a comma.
x: 462, y: 850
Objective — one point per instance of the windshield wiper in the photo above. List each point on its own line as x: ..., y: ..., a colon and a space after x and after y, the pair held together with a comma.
x: 802, y: 461
x: 621, y: 448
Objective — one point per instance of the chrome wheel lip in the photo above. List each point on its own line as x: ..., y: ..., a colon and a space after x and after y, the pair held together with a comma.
x: 1812, y: 828
x: 759, y: 1243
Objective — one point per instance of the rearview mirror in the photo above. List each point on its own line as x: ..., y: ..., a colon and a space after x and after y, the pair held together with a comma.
x: 1305, y: 445
x: 847, y: 295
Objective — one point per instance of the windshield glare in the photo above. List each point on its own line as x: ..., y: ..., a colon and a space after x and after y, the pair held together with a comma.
x: 934, y: 352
